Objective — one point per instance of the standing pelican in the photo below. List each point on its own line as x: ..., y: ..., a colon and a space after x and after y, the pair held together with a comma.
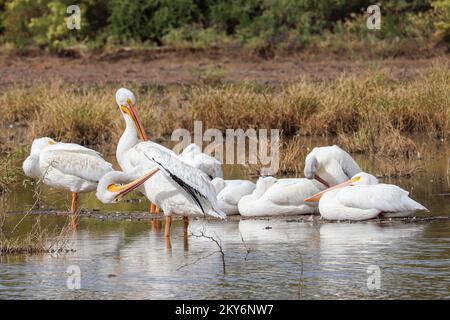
x: 167, y: 181
x: 230, y: 192
x: 66, y: 166
x: 363, y: 198
x: 127, y: 155
x: 279, y: 197
x: 330, y: 165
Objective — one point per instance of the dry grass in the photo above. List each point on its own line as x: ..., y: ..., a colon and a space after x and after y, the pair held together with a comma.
x: 11, y: 170
x: 372, y: 113
x: 36, y: 241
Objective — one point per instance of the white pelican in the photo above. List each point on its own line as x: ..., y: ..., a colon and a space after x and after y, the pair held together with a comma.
x: 229, y: 192
x: 194, y: 156
x: 128, y: 157
x: 166, y: 180
x: 330, y: 165
x: 66, y: 166
x: 280, y: 197
x: 363, y: 198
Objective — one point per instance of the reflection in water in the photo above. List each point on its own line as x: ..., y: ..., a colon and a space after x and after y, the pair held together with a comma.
x: 263, y: 260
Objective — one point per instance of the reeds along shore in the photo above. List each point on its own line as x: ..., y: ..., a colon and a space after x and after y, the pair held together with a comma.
x: 372, y: 113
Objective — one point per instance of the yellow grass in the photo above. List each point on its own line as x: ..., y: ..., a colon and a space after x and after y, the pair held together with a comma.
x: 371, y: 113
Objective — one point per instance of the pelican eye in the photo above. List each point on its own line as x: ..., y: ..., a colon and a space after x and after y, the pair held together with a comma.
x: 51, y: 142
x: 356, y: 179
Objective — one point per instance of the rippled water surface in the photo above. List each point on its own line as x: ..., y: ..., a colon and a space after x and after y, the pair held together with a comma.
x: 263, y: 259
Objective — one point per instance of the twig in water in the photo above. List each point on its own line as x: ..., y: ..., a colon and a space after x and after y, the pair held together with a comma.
x: 247, y: 249
x: 201, y: 234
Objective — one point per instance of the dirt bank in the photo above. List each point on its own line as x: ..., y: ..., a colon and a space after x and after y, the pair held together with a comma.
x: 186, y: 66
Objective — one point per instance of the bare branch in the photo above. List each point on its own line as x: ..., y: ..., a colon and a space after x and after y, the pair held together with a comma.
x: 218, y: 242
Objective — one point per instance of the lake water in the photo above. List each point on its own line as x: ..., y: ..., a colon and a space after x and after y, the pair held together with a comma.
x: 264, y: 259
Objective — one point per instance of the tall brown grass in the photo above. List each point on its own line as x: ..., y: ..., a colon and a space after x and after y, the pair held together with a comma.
x: 372, y: 112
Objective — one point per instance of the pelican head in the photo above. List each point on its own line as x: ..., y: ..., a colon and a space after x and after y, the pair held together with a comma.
x: 126, y: 100
x: 39, y: 144
x: 359, y: 179
x: 115, y: 185
x: 362, y: 179
x: 311, y: 168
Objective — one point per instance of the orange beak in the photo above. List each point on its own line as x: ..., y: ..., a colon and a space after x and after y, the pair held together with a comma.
x: 131, y: 111
x: 317, y: 196
x: 123, y: 190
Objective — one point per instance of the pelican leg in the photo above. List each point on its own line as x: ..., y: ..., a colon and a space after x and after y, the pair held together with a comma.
x: 185, y: 224
x: 157, y: 209
x: 167, y: 227
x: 73, y: 209
x: 152, y: 208
x: 73, y: 222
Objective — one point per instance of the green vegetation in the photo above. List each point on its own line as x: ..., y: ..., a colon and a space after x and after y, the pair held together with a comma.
x: 261, y: 25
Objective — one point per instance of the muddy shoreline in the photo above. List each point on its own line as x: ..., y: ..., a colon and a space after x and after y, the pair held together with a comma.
x: 146, y: 216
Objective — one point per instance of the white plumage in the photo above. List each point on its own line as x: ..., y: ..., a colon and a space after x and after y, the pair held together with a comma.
x: 230, y: 192
x: 363, y: 198
x: 177, y: 187
x: 330, y: 164
x: 194, y: 156
x: 66, y: 166
x: 136, y: 156
x: 280, y: 197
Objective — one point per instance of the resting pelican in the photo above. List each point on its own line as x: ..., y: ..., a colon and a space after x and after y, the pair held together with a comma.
x: 280, y: 197
x: 330, y: 165
x: 127, y: 156
x: 363, y: 198
x: 324, y: 166
x: 66, y: 166
x: 229, y: 192
x: 167, y: 181
x: 194, y: 156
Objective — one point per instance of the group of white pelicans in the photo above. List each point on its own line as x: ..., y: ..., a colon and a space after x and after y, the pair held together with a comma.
x: 192, y: 184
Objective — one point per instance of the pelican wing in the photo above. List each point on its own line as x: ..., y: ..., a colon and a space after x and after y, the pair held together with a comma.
x: 193, y: 156
x: 143, y: 150
x: 75, y: 160
x: 383, y: 197
x: 73, y: 147
x: 191, y: 179
x: 291, y: 191
x: 235, y: 190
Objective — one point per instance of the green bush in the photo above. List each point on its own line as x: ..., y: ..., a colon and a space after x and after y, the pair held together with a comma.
x: 442, y: 9
x: 150, y: 19
x: 252, y: 23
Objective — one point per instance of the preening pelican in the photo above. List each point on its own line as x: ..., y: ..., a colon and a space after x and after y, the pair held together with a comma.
x: 66, y: 166
x: 330, y: 165
x: 194, y: 156
x: 229, y: 192
x: 363, y: 198
x: 129, y: 157
x: 280, y: 197
x: 167, y: 181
